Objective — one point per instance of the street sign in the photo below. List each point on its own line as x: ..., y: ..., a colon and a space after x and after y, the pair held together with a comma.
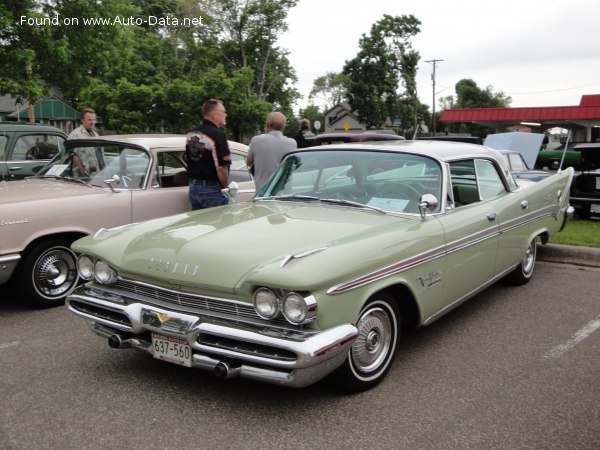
x: 317, y: 125
x: 397, y: 122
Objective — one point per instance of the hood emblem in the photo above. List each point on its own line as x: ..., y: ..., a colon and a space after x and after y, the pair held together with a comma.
x: 187, y: 270
x: 290, y: 258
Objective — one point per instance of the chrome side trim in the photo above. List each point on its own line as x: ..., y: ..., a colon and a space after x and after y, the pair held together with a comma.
x: 393, y: 269
x: 451, y: 247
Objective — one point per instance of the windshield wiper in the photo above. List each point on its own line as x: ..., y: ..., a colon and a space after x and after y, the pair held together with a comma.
x: 351, y: 203
x: 74, y: 179
x: 289, y: 197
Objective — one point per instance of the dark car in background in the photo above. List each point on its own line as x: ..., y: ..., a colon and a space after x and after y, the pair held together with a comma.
x: 585, y: 190
x: 26, y: 148
x: 551, y: 159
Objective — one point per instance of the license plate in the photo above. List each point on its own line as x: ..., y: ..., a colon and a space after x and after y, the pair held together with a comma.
x: 172, y: 349
x: 594, y: 208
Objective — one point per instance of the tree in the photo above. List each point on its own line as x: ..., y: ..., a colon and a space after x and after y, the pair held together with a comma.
x: 385, y: 60
x: 331, y: 88
x: 469, y: 95
x: 248, y: 31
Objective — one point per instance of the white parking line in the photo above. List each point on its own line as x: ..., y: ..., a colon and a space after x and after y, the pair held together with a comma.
x: 9, y: 344
x: 586, y: 331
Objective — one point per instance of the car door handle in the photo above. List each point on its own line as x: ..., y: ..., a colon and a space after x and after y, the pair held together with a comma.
x: 14, y: 169
x: 524, y: 204
x: 491, y: 216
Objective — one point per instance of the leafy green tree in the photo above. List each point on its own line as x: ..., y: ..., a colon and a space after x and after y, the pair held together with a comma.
x: 469, y: 95
x: 385, y: 60
x: 331, y: 88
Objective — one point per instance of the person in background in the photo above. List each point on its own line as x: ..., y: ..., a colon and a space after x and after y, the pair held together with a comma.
x: 267, y: 150
x: 305, y: 137
x: 86, y: 159
x: 208, y: 158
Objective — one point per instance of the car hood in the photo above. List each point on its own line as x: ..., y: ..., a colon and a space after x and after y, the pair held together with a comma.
x: 527, y: 144
x: 37, y: 189
x: 295, y: 246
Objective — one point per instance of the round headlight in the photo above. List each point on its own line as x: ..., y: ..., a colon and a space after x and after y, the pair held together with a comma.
x: 295, y: 308
x: 103, y: 273
x: 266, y: 303
x: 85, y: 267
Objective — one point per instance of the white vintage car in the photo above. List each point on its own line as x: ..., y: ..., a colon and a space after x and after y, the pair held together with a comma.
x: 343, y: 248
x: 141, y: 177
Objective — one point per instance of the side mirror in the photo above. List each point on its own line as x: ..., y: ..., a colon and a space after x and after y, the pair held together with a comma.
x: 428, y: 203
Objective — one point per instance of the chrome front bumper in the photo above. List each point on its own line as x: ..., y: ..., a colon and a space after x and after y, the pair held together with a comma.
x: 230, y: 349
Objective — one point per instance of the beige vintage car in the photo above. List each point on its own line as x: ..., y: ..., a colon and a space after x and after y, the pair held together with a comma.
x: 140, y: 177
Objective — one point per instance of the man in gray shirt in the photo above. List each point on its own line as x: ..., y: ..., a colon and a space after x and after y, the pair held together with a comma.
x: 267, y: 150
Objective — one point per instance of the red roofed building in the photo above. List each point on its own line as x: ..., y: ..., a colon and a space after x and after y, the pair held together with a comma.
x: 582, y: 120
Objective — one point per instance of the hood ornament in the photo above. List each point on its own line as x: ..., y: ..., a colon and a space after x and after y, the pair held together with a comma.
x: 290, y: 258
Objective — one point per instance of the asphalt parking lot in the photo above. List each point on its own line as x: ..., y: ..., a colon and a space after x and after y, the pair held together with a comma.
x: 512, y: 368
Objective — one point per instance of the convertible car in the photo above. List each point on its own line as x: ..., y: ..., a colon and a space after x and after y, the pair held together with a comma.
x: 343, y: 248
x: 132, y: 178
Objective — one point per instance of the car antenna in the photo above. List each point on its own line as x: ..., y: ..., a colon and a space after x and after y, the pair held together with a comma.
x: 564, y: 151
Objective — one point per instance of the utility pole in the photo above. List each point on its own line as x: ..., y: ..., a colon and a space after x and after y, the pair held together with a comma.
x: 433, y: 62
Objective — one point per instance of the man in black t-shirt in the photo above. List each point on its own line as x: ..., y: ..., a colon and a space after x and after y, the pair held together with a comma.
x: 208, y: 158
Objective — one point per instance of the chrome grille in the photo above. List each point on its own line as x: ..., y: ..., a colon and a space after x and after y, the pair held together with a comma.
x: 187, y: 300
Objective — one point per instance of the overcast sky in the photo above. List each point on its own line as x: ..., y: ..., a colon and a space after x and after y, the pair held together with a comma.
x: 539, y: 52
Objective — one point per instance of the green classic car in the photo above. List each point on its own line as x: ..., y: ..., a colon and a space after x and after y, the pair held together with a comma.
x: 346, y: 246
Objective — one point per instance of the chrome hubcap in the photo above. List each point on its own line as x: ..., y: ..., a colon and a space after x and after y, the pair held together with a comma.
x: 55, y: 272
x: 372, y: 346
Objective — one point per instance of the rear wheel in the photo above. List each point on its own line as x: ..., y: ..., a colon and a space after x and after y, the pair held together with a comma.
x: 523, y: 273
x: 48, y: 273
x: 371, y: 356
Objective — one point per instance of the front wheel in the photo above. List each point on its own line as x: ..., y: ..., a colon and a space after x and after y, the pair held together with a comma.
x: 371, y: 355
x: 48, y: 273
x: 523, y: 273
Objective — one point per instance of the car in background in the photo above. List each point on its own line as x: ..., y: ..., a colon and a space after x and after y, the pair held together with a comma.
x: 551, y: 159
x: 518, y: 167
x: 585, y: 190
x: 141, y: 177
x: 345, y: 247
x: 365, y: 136
x: 26, y: 148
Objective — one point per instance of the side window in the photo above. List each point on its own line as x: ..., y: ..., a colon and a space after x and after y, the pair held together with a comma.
x: 488, y: 179
x: 464, y: 183
x: 36, y: 147
x: 239, y: 169
x: 3, y: 141
x: 170, y: 171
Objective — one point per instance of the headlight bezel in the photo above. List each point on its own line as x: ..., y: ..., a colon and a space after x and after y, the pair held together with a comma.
x: 274, y: 303
x: 104, y: 273
x: 85, y: 267
x: 303, y: 311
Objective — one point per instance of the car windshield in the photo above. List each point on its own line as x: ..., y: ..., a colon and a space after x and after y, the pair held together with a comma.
x: 387, y: 181
x: 98, y: 163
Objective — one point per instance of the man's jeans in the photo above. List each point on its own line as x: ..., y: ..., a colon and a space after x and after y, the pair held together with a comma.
x: 206, y: 196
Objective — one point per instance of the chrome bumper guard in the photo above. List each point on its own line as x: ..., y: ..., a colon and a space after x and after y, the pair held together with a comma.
x: 228, y: 348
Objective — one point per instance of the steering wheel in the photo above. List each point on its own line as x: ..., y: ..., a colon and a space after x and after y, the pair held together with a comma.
x: 32, y: 153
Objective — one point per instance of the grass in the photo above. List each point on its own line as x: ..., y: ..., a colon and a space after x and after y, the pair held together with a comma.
x: 583, y: 233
